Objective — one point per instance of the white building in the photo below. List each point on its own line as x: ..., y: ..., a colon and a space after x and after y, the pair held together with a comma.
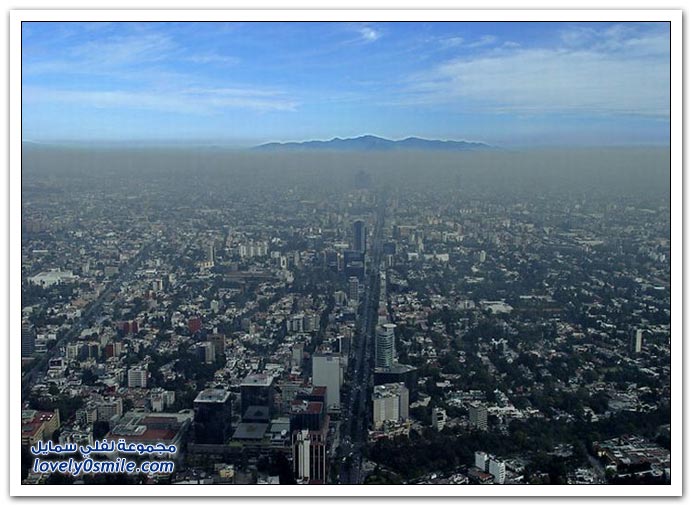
x: 302, y: 455
x: 384, y: 346
x: 478, y: 416
x: 297, y: 355
x: 480, y: 460
x: 137, y: 378
x: 310, y: 456
x: 637, y: 341
x: 52, y: 277
x: 497, y: 469
x: 390, y: 402
x: 209, y: 352
x: 327, y: 372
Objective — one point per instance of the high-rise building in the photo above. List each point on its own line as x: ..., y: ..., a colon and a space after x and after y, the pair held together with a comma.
x: 206, y: 352
x: 294, y: 324
x: 359, y: 236
x: 301, y: 455
x: 137, y: 377
x: 331, y: 260
x: 257, y: 390
x: 212, y: 416
x: 354, y: 263
x: 340, y: 297
x: 297, y: 355
x: 310, y: 456
x: 637, y: 341
x: 497, y: 469
x: 384, y: 346
x: 113, y: 349
x: 211, y: 254
x: 108, y: 408
x: 353, y: 286
x: 399, y: 373
x: 480, y: 460
x: 342, y: 345
x: 326, y: 372
x: 306, y: 414
x: 28, y: 339
x: 219, y: 342
x: 311, y: 322
x: 389, y: 403
x: 478, y: 416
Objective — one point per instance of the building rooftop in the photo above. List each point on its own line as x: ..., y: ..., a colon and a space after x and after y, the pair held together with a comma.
x: 212, y: 395
x: 257, y: 380
x: 299, y: 406
x: 256, y: 413
x: 396, y: 369
x: 388, y: 390
x: 250, y: 431
x: 145, y: 427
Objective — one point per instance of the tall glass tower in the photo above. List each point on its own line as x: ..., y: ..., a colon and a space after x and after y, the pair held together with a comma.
x: 384, y: 347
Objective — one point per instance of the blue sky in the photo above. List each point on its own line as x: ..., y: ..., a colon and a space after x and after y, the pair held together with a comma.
x: 512, y: 84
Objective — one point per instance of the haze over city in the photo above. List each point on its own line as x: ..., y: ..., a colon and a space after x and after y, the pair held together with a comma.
x: 336, y: 253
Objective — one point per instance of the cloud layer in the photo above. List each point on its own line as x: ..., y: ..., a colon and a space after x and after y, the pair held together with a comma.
x: 455, y: 80
x: 614, y: 71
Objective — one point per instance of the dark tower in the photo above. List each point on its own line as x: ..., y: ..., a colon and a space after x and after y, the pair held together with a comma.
x: 359, y: 236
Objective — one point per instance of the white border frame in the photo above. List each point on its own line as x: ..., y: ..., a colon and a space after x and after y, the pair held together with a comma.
x: 673, y: 16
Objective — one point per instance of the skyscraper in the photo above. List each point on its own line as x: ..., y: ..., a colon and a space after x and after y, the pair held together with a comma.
x: 257, y: 390
x: 384, y: 349
x: 354, y: 263
x: 28, y: 339
x: 297, y: 355
x: 637, y: 341
x: 309, y: 455
x: 398, y: 373
x: 211, y: 253
x: 478, y: 416
x: 326, y: 372
x: 359, y: 236
x: 480, y: 460
x: 212, y: 416
x: 353, y: 286
x: 389, y: 403
x: 497, y: 469
x: 137, y: 377
x: 219, y: 342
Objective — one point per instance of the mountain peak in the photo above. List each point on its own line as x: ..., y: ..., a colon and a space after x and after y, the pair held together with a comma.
x: 369, y: 142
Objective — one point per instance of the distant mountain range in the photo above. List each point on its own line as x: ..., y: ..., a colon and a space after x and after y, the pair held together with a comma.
x: 373, y: 143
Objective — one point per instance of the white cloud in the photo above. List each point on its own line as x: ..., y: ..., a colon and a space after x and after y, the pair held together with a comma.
x: 360, y: 33
x: 212, y: 58
x: 369, y: 34
x: 121, y: 50
x: 611, y: 72
x: 189, y: 101
x: 485, y: 40
x: 451, y: 42
x: 135, y: 68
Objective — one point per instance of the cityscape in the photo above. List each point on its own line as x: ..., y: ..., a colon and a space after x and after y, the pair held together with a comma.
x: 413, y: 308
